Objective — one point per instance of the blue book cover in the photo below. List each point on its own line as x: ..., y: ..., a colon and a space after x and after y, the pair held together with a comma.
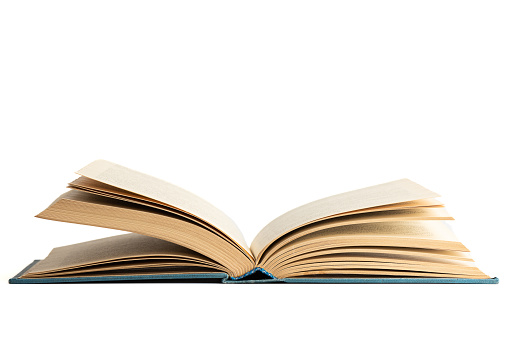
x: 247, y: 279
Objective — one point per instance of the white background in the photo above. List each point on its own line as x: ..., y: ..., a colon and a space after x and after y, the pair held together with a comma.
x: 258, y: 107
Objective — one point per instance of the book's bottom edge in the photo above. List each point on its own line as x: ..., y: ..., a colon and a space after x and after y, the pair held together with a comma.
x: 391, y: 281
x: 256, y: 276
x: 147, y: 278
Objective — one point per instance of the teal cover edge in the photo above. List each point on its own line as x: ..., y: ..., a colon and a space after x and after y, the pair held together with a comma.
x: 391, y: 281
x: 172, y: 278
x: 244, y: 279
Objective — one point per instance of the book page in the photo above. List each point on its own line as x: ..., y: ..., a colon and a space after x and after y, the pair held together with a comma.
x: 110, y: 249
x: 418, y: 229
x: 90, y: 209
x: 164, y: 192
x: 389, y: 193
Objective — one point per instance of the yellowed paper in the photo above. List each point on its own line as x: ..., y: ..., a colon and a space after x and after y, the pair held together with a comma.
x: 390, y: 193
x: 114, y: 249
x: 160, y: 190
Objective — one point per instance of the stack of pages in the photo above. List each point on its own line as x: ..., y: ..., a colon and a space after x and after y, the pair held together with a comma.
x: 393, y: 232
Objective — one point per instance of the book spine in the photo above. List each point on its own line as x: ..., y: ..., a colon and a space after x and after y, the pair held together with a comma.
x: 256, y: 269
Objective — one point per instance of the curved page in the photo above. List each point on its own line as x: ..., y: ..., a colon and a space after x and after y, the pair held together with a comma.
x: 390, y: 193
x: 160, y: 190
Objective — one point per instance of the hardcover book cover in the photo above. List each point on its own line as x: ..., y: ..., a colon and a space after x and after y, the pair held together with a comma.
x: 256, y: 276
x: 396, y: 232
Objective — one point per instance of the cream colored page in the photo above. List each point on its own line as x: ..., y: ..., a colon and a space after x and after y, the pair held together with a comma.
x: 160, y: 190
x: 389, y: 193
x: 418, y: 229
x: 111, y: 248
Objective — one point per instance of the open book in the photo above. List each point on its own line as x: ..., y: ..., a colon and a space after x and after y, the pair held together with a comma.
x: 391, y: 231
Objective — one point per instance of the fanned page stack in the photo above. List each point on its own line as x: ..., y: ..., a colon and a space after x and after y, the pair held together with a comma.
x: 394, y: 232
